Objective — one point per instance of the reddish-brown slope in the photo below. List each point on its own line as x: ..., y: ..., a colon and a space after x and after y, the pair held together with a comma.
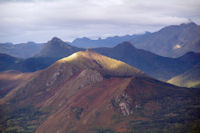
x: 89, y: 107
x: 114, y: 103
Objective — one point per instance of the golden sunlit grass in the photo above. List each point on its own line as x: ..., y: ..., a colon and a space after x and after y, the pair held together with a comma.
x: 192, y: 83
x: 178, y: 81
x: 69, y: 58
x: 190, y: 78
x: 93, y: 60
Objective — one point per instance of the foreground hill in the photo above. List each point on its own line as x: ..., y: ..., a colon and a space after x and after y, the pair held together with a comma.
x: 22, y: 50
x: 91, y: 93
x: 190, y: 78
x: 159, y: 67
x: 171, y: 41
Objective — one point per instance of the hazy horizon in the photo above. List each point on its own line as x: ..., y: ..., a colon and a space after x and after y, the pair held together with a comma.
x: 40, y: 20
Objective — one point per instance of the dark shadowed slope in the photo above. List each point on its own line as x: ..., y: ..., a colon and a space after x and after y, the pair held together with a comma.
x: 24, y: 65
x: 8, y: 62
x: 171, y: 41
x: 91, y: 93
x: 159, y: 67
x: 190, y: 78
x: 190, y: 57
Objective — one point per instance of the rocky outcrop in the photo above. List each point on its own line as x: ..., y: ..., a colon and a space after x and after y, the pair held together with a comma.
x: 87, y: 77
x: 123, y: 103
x: 69, y: 87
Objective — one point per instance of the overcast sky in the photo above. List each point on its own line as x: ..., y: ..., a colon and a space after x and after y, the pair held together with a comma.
x: 40, y: 20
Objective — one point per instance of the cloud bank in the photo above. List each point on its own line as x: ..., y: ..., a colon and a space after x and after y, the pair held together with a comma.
x: 40, y: 20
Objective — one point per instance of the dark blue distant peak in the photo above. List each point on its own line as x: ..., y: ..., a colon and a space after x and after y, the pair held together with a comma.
x: 125, y: 44
x: 56, y: 39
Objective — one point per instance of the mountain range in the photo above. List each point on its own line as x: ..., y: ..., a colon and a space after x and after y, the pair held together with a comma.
x: 171, y: 41
x: 107, y: 42
x: 90, y: 93
x: 22, y: 50
x: 159, y: 67
x: 31, y: 49
x: 162, y: 68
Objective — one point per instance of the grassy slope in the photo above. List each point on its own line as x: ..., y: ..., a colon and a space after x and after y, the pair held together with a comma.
x: 190, y: 78
x: 106, y: 65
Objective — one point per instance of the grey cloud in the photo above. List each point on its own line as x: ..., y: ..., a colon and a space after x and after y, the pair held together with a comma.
x: 39, y: 20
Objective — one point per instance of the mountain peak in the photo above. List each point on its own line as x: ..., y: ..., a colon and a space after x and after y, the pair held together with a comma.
x: 57, y: 48
x: 56, y: 40
x: 125, y: 44
x: 189, y: 24
x: 56, y: 43
x: 103, y: 64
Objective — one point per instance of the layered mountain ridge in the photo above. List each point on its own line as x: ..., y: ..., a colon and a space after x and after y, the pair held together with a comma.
x: 162, y: 68
x: 159, y: 67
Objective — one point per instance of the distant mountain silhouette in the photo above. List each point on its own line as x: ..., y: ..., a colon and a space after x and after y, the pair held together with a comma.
x: 22, y: 50
x: 57, y: 48
x: 159, y: 67
x: 107, y: 42
x: 171, y: 41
